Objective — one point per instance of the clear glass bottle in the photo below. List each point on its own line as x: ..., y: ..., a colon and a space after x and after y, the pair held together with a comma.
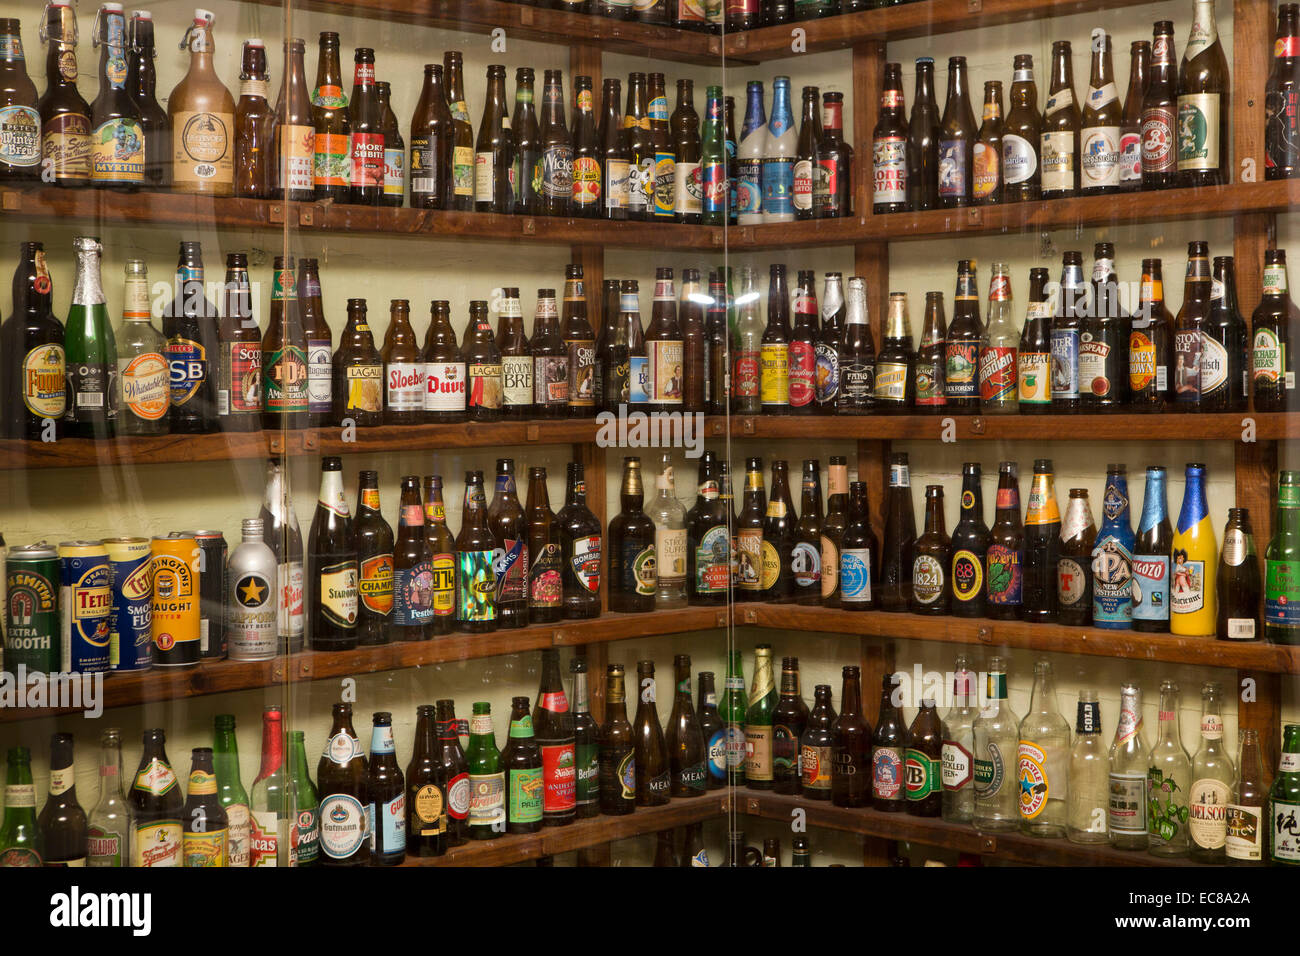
x: 108, y: 840
x: 1089, y: 779
x: 1042, y: 760
x: 142, y: 370
x: 1212, y: 778
x: 1126, y: 809
x: 670, y: 540
x: 959, y: 746
x: 996, y: 737
x: 1169, y: 776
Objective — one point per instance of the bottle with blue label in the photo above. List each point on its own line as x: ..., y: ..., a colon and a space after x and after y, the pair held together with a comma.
x: 750, y: 152
x: 1194, y: 562
x: 779, y: 158
x: 1112, y: 555
x: 387, y: 789
x: 1155, y: 539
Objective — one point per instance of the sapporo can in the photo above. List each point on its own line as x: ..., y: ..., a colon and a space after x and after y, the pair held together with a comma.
x: 85, y: 605
x: 32, y: 636
x: 212, y: 592
x: 175, y: 625
x: 130, y: 629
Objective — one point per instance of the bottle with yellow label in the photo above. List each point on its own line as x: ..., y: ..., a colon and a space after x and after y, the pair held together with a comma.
x: 1192, y: 606
x: 204, y: 818
x: 202, y: 114
x: 774, y: 352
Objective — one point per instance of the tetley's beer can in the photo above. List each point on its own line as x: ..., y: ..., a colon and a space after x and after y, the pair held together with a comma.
x: 85, y: 605
x: 130, y: 629
x: 175, y: 624
x: 32, y: 636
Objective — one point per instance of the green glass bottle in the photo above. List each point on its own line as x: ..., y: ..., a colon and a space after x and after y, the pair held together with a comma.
x: 230, y: 790
x: 487, y: 781
x: 89, y: 351
x: 759, y: 721
x: 713, y: 161
x: 1282, y: 565
x: 1283, y: 802
x: 304, y: 838
x: 732, y: 711
x: 20, y: 837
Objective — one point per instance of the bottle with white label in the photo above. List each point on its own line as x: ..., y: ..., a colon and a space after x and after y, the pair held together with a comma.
x: 516, y: 358
x: 62, y: 821
x: 1203, y: 97
x: 1212, y: 779
x: 142, y: 369
x: 403, y: 369
x: 1099, y: 128
x: 670, y: 540
x: 958, y: 761
x: 282, y: 535
x: 20, y: 837
x: 1089, y: 777
x: 1245, y: 839
x: 386, y: 788
x: 1126, y: 811
x: 1059, y: 139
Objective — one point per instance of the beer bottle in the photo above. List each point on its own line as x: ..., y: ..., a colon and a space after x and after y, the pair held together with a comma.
x: 580, y: 548
x: 857, y: 355
x: 655, y: 11
x: 202, y: 115
x: 996, y: 735
x: 230, y: 791
x: 956, y: 139
x: 805, y: 164
x: 281, y: 534
x: 404, y: 384
x: 117, y: 143
x: 91, y: 354
x: 717, y: 336
x: 1282, y: 565
x: 1244, y: 840
x: 1275, y: 318
x: 203, y: 842
x: 341, y: 780
x: 62, y: 822
x: 694, y: 852
x: 586, y: 196
x: 442, y: 552
x: 653, y: 776
x: 1059, y: 138
x: 1281, y: 131
x: 832, y: 531
x: 895, y: 379
x: 888, y: 746
x: 817, y: 747
x: 316, y: 332
x: 775, y: 348
x: 1212, y: 779
x: 20, y: 159
x: 997, y: 350
x: 394, y: 172
x: 733, y: 163
x: 1238, y: 584
x: 1130, y: 136
x: 1188, y: 333
x: 859, y: 561
x: 1034, y: 359
x: 413, y: 584
x: 65, y: 117
x: 484, y: 378
x: 239, y: 386
x: 1005, y: 557
x: 387, y: 790
x: 615, y: 154
x: 516, y: 358
x: 1103, y: 380
x: 1151, y: 557
x: 665, y: 372
x: 923, y: 141
x: 332, y: 565
x: 579, y: 345
x: 957, y: 769
x: 357, y: 391
x: 1126, y: 811
x: 461, y: 174
x: 1074, y: 565
x: 900, y: 537
x: 696, y: 379
x: 617, y: 751
x: 611, y: 378
x: 1043, y: 759
x: 749, y: 533
x: 1195, y: 562
x: 851, y: 752
x: 372, y: 537
x: 732, y: 712
x: 962, y: 347
x: 33, y: 388
x: 273, y: 827
x: 1112, y: 555
x: 922, y: 757
x: 713, y: 733
x: 156, y: 804
x: 108, y: 833
x: 553, y: 726
x: 1042, y: 546
x: 778, y: 538
x: 759, y: 722
x: 684, y: 738
x: 750, y: 150
x: 970, y: 545
x: 506, y: 521
x: 746, y: 348
x: 1100, y: 125
x: 715, y: 181
x: 931, y: 592
x: 476, y: 586
x: 1169, y: 780
x: 708, y: 539
x: 331, y: 120
x: 805, y: 554
x: 670, y: 540
x: 801, y: 357
x: 986, y: 162
x: 932, y: 358
x: 640, y: 384
x: 1284, y: 801
x: 641, y: 179
x: 433, y: 138
x: 443, y: 368
x: 304, y: 848
x: 586, y: 747
x: 250, y: 595
x: 454, y: 771
x: 1203, y: 98
x: 367, y: 140
x: 1160, y: 112
x: 684, y: 126
x: 1021, y: 173
x: 633, y: 566
x: 494, y: 149
x: 522, y: 762
x: 544, y: 573
x: 550, y: 373
x: 1224, y: 375
x: 426, y: 795
x: 789, y: 719
x: 1150, y: 343
x: 284, y: 354
x: 294, y: 136
x: 141, y: 86
x: 255, y: 155
x: 889, y: 146
x: 526, y: 152
x: 487, y: 782
x: 1067, y: 331
x: 663, y: 199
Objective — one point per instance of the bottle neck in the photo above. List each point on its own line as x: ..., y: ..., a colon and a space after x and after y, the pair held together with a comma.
x: 272, y: 747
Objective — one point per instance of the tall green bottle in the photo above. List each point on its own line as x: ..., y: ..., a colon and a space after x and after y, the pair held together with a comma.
x: 1283, y: 802
x: 732, y: 711
x: 20, y: 837
x: 304, y: 838
x: 713, y: 161
x: 230, y: 790
x: 89, y: 351
x: 487, y: 781
x: 759, y: 721
x: 1282, y: 565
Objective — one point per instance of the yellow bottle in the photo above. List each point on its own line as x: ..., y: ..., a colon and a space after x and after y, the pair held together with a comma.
x: 1195, y: 561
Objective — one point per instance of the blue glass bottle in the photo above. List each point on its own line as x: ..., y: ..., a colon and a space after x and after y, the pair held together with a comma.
x: 1151, y: 557
x: 1112, y: 556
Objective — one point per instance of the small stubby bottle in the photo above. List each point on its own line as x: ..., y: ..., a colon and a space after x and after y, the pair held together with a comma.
x: 1089, y: 775
x: 1126, y: 807
x: 1169, y: 777
x: 996, y: 737
x: 958, y: 762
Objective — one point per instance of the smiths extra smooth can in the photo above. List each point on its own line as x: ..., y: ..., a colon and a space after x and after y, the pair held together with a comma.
x: 175, y: 625
x: 85, y: 605
x: 130, y: 630
x: 32, y: 609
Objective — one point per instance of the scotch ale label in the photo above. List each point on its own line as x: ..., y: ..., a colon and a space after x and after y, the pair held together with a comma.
x: 713, y: 561
x: 1244, y: 832
x: 240, y: 385
x: 203, y: 152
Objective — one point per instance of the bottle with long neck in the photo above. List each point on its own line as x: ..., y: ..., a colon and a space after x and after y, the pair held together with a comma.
x: 1160, y: 112
x: 959, y: 747
x: 588, y: 158
x: 1224, y: 363
x: 332, y: 125
x: 632, y: 547
x: 304, y: 826
x: 1021, y: 174
x: 899, y: 544
x: 732, y: 712
x: 852, y: 745
x: 319, y: 341
x: 506, y: 520
x: 282, y: 536
x: 62, y: 820
x: 617, y: 752
x: 580, y: 548
x: 332, y: 565
x: 1042, y: 760
x: 202, y: 114
x: 806, y: 553
x: 696, y: 367
x: 462, y: 148
x: 294, y: 136
x: 525, y: 173
x: 1195, y: 561
x: 1034, y: 357
x: 487, y: 781
x: 141, y: 85
x: 426, y: 793
x: 442, y: 556
x: 1150, y: 344
x: 1130, y: 137
x: 65, y: 116
x: 816, y: 747
x: 1042, y: 546
x: 759, y: 722
x: 895, y: 378
x: 997, y: 736
x: 108, y: 833
x: 889, y: 146
x: 284, y: 356
x: 986, y: 166
x: 997, y: 360
x: 746, y: 348
x: 432, y: 141
x: 33, y: 390
x: 476, y: 604
x: 21, y: 158
x: 1169, y: 778
x: 1204, y: 93
x: 1112, y: 555
x: 1005, y: 559
x: 1126, y: 810
x: 857, y: 355
x: 387, y: 789
x: 1099, y: 126
x: 341, y: 777
x: 789, y: 720
x: 956, y: 139
x: 653, y: 773
x: 779, y: 156
x: 91, y: 354
x: 254, y: 152
x: 413, y: 578
x: 1282, y: 565
x: 550, y: 375
x: 750, y: 151
x: 239, y: 372
x: 367, y: 141
x: 117, y: 143
x: 962, y: 348
x: 373, y: 539
x: 556, y: 149
x: 670, y: 540
x: 970, y: 544
x: 1088, y: 780
x: 1059, y: 139
x: 21, y: 842
x: 1151, y: 557
x: 586, y: 746
x: 931, y: 591
x: 1190, y: 371
x: 1212, y: 779
x: 454, y: 771
x: 230, y: 791
x: 1245, y: 837
x: 923, y: 141
x: 1284, y: 801
x: 493, y: 150
x: 684, y: 737
x: 142, y: 370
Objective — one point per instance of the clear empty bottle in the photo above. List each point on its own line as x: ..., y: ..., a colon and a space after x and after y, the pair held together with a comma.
x: 1042, y: 760
x: 997, y: 732
x: 1169, y: 777
x: 1089, y: 775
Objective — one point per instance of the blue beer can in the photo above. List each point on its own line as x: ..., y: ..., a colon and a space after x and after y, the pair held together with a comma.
x: 130, y: 638
x: 85, y: 606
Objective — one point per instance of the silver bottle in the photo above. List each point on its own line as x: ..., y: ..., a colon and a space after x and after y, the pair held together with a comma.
x: 251, y: 598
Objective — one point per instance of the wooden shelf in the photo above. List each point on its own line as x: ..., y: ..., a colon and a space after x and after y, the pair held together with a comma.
x: 1012, y: 846
x: 580, y: 834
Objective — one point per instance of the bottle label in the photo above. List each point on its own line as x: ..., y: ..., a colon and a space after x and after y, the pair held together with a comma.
x: 713, y: 561
x: 157, y: 844
x: 289, y: 610
x: 998, y: 374
x: 887, y: 773
x: 551, y: 379
x: 1034, y: 371
x: 1005, y: 575
x: 1126, y: 809
x: 758, y: 752
x: 264, y: 838
x: 891, y: 381
x: 1198, y: 131
x: 960, y: 370
x: 1150, y: 587
x: 332, y: 159
x: 1093, y: 356
x: 826, y: 374
x: 484, y: 177
x: 65, y: 144
x: 1243, y: 832
x: 1065, y: 363
x: 516, y: 380
x: 855, y: 576
x: 815, y: 767
x: 1267, y: 357
x: 857, y: 380
x: 954, y: 165
x: 990, y: 773
x: 1157, y: 140
x: 985, y: 170
x: 364, y: 385
x: 203, y: 154
x: 928, y: 584
x: 922, y: 774
x: 967, y: 575
x: 284, y: 378
x: 1112, y: 576
x: 1187, y: 585
x: 319, y: 372
x: 1130, y: 156
x: 1019, y: 159
x: 239, y: 390
x: 803, y: 185
x: 664, y: 186
x: 405, y: 386
x: 586, y: 562
x: 1282, y: 593
x: 665, y: 373
x: 1057, y: 159
x: 586, y: 182
x: 889, y: 169
x: 103, y: 847
x: 526, y: 789
x: 957, y: 766
x: 639, y: 384
x: 1099, y: 149
x: 775, y: 373
x: 117, y: 152
x: 297, y: 148
x: 1208, y: 809
x: 44, y: 382
x: 20, y: 136
x: 394, y: 178
x: 749, y: 190
x: 412, y: 601
x: 929, y: 382
x: 343, y: 825
x: 188, y: 368
x: 375, y: 584
x: 367, y: 160
x: 251, y: 630
x: 1035, y: 786
x: 487, y: 800
x: 618, y: 183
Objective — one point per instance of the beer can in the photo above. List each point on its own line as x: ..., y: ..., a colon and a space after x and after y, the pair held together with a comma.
x: 130, y: 630
x: 212, y: 592
x: 32, y: 636
x: 175, y: 625
x: 85, y: 605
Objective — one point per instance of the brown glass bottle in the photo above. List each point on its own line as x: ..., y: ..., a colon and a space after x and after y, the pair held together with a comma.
x: 526, y: 148
x: 444, y: 369
x: 931, y: 593
x: 1160, y: 112
x: 615, y: 154
x: 777, y: 577
x: 426, y: 794
x: 931, y: 358
x: 65, y: 116
x: 579, y: 345
x: 476, y: 549
x: 358, y: 372
x: 632, y: 578
x: 617, y: 751
x: 923, y: 141
x: 684, y: 738
x: 688, y: 191
x: 1130, y: 136
x: 493, y: 151
x: 816, y: 747
x: 587, y: 175
x: 636, y: 121
x: 1273, y: 329
x: 202, y: 115
x: 1004, y: 561
x: 801, y: 364
x: 1103, y: 345
x: 331, y: 596
x: 521, y: 761
x: 1150, y: 344
x: 664, y: 348
x: 483, y: 367
x: 545, y: 585
x: 1059, y: 136
x: 240, y: 362
x: 394, y: 171
x: 62, y: 820
x: 889, y: 146
x: 372, y: 538
x: 986, y: 165
x: 366, y: 174
x: 921, y: 762
x: 1247, y: 809
x: 789, y: 720
x: 580, y: 548
x: 1204, y: 104
x: 833, y: 178
x: 341, y: 777
x: 550, y: 360
x: 284, y: 355
x: 553, y: 726
x: 1189, y: 355
x: 806, y: 549
x: 555, y: 150
x: 888, y: 746
x: 506, y: 521
x: 962, y: 346
x: 412, y: 569
x: 516, y: 359
x: 117, y: 141
x: 1225, y: 373
x: 316, y: 332
x: 442, y: 558
x: 255, y: 155
x: 956, y: 139
x: 653, y: 773
x: 1100, y: 124
x: 1021, y: 175
x: 433, y: 135
x: 899, y: 543
x: 403, y: 370
x: 851, y: 747
x: 294, y: 137
x: 332, y: 122
x: 716, y: 333
x: 455, y: 771
x: 141, y: 84
x: 1074, y: 565
x: 859, y: 555
x: 662, y: 199
x: 1281, y: 92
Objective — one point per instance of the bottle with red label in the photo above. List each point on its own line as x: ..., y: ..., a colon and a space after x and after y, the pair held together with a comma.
x: 1282, y: 99
x: 1130, y: 134
x: 372, y: 537
x: 239, y: 374
x: 444, y: 370
x: 1160, y: 111
x: 331, y: 120
x: 802, y: 361
x: 403, y: 369
x: 805, y: 164
x: 1103, y: 382
x: 553, y: 728
x: 442, y: 551
x: 833, y: 182
x: 999, y: 387
x: 580, y: 548
x: 455, y: 769
x: 545, y: 581
x: 367, y: 142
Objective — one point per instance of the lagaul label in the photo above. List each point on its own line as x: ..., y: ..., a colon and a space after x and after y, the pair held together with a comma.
x: 44, y: 383
x: 484, y: 386
x: 364, y: 387
x: 1034, y: 785
x: 342, y: 825
x: 203, y: 152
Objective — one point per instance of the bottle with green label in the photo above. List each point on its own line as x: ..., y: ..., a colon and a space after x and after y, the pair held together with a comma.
x: 1169, y: 777
x: 20, y: 837
x: 758, y: 722
x: 487, y: 781
x: 108, y: 840
x: 1282, y: 566
x: 922, y: 759
x: 1283, y: 802
x: 230, y: 790
x: 732, y: 711
x: 522, y: 760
